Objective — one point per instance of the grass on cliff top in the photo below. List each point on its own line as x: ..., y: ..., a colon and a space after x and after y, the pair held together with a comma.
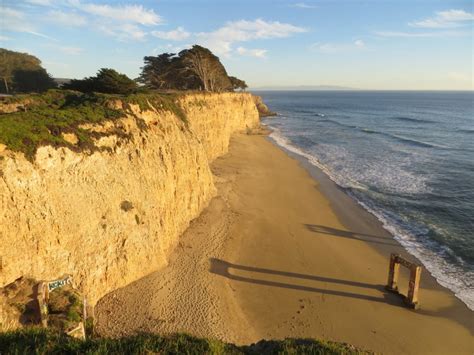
x: 42, y: 341
x: 43, y: 118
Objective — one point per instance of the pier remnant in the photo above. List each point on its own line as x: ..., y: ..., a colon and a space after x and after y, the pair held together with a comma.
x: 414, y: 284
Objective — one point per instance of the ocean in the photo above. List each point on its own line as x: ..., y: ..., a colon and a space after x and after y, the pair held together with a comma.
x: 406, y: 157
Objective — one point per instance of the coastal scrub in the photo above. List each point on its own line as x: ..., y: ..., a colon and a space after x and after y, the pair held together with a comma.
x: 44, y: 119
x: 42, y: 341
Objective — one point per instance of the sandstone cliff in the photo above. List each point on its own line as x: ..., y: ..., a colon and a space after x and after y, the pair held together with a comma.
x: 111, y: 216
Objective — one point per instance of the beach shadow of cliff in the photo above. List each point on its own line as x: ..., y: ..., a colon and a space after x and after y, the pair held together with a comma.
x: 363, y: 237
x: 223, y: 268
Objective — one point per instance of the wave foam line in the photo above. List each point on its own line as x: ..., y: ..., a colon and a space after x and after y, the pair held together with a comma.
x: 439, y: 268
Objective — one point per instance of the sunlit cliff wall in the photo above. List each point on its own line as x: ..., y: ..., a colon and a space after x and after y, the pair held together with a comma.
x: 112, y: 216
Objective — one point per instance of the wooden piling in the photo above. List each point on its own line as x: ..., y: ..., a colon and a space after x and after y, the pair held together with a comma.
x: 414, y: 284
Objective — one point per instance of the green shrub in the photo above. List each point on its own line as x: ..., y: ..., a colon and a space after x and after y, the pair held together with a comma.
x: 45, y: 117
x: 106, y: 81
x: 42, y: 341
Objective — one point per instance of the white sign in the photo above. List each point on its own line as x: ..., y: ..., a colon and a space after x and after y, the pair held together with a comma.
x: 59, y: 283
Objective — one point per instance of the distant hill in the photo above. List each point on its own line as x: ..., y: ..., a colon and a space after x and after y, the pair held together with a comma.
x: 304, y: 87
x: 62, y: 81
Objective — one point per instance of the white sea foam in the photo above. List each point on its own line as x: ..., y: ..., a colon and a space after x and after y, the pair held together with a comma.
x: 285, y: 143
x: 447, y: 275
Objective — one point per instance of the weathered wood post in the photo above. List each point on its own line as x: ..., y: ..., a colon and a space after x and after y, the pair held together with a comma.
x: 393, y: 272
x: 413, y: 286
x: 43, y: 303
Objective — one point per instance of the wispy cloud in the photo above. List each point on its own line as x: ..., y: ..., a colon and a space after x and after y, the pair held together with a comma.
x: 257, y: 53
x: 329, y: 48
x: 178, y: 34
x: 124, y: 22
x: 303, y: 5
x: 170, y: 48
x: 435, y: 34
x: 445, y: 19
x: 42, y: 35
x: 4, y: 38
x: 439, y: 25
x: 40, y: 2
x: 66, y: 18
x: 135, y: 14
x: 123, y: 32
x: 221, y: 41
x: 16, y: 21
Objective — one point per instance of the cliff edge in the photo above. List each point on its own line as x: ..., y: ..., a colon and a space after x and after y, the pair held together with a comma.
x: 106, y: 200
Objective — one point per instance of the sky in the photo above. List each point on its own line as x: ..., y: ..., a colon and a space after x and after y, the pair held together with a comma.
x: 371, y: 44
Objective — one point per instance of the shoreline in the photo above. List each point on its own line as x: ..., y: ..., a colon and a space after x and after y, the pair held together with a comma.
x: 340, y: 200
x: 280, y: 254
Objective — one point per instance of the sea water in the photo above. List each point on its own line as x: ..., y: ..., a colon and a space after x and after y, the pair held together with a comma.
x: 406, y: 157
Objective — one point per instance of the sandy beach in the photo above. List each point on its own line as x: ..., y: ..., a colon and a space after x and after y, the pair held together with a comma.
x: 282, y: 252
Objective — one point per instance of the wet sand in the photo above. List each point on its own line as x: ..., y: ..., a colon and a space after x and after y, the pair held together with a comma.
x: 283, y: 252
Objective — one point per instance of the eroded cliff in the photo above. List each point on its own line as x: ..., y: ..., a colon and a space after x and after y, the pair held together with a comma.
x: 112, y: 215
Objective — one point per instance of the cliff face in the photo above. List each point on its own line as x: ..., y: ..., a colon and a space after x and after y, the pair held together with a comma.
x: 113, y: 216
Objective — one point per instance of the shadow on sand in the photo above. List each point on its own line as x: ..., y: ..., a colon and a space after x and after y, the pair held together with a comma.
x: 259, y: 276
x: 369, y: 238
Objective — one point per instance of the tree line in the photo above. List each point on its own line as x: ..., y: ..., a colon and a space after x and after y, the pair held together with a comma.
x: 196, y: 68
x: 22, y: 72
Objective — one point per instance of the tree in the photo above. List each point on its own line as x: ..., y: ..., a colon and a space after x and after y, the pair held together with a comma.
x: 10, y: 62
x: 238, y: 84
x: 207, y: 67
x: 167, y: 71
x: 37, y: 80
x: 191, y: 69
x: 106, y: 81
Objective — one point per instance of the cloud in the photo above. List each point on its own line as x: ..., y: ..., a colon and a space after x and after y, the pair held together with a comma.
x: 124, y: 22
x: 40, y: 2
x: 422, y: 34
x: 16, y: 21
x: 329, y: 48
x: 170, y: 48
x: 123, y: 32
x: 66, y: 18
x: 303, y: 5
x: 445, y: 19
x: 178, y: 34
x: 42, y: 35
x: 221, y: 40
x: 135, y: 14
x: 4, y: 38
x: 258, y: 53
x: 455, y: 15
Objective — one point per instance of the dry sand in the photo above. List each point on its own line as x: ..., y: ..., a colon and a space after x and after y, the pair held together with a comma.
x: 279, y: 254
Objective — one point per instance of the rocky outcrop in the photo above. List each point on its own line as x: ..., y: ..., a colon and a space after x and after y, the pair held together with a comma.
x: 112, y: 216
x: 262, y: 108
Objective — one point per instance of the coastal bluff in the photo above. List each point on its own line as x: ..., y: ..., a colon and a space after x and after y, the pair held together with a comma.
x: 111, y: 214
